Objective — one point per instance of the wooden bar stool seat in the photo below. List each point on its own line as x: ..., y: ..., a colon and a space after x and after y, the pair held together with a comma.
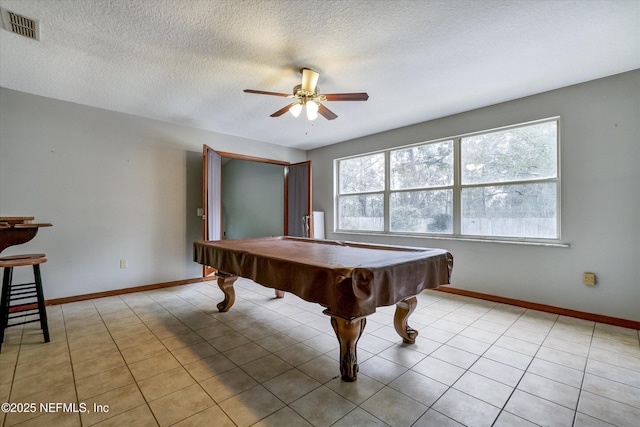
x: 22, y: 256
x: 22, y: 301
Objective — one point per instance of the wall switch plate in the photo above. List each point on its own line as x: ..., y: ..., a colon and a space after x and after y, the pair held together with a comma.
x: 589, y: 279
x: 123, y: 263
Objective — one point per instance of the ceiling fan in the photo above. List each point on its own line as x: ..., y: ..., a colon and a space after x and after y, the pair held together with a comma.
x: 306, y: 95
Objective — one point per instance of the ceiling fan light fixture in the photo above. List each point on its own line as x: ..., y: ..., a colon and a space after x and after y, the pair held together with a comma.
x: 312, y: 110
x: 296, y: 109
x: 309, y: 80
x: 307, y: 94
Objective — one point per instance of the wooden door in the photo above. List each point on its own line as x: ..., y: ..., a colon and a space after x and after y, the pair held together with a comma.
x: 212, y: 198
x: 298, y: 200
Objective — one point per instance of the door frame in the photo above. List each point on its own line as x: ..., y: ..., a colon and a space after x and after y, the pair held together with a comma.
x: 206, y: 270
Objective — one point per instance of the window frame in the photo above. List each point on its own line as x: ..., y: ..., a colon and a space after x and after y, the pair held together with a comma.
x: 456, y: 189
x: 384, y: 191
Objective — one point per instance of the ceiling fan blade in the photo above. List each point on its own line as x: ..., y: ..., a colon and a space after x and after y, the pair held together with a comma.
x: 362, y: 96
x: 326, y: 113
x: 309, y: 80
x: 263, y: 92
x: 282, y: 110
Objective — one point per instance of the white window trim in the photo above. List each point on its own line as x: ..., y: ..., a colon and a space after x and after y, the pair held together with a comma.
x: 457, y: 190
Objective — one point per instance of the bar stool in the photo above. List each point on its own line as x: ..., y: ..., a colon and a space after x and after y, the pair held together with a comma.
x: 30, y: 294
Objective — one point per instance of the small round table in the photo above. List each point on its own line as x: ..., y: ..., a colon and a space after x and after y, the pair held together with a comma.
x: 15, y: 230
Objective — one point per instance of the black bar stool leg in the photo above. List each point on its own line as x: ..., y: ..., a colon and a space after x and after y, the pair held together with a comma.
x: 43, y: 311
x: 4, y: 302
x: 17, y: 303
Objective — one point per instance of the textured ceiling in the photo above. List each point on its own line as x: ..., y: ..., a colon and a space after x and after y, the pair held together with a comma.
x: 187, y: 61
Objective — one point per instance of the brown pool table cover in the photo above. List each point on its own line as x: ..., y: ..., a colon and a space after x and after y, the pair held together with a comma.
x: 350, y: 279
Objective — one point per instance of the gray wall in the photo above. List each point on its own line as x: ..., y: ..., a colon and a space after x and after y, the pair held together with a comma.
x: 600, y: 172
x: 114, y: 186
x: 252, y: 199
x: 118, y: 186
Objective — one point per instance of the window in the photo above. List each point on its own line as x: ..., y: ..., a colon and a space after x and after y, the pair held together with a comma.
x: 499, y: 184
x: 421, y: 190
x: 362, y: 185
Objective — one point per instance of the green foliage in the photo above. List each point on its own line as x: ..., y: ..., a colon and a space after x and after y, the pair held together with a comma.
x: 429, y: 165
x: 518, y: 154
x: 441, y: 223
x: 362, y: 174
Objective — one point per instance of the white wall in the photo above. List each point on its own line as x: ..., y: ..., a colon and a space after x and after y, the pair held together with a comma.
x: 600, y: 173
x: 114, y: 186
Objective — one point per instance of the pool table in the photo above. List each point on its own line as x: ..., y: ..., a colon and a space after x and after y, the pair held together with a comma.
x: 349, y: 279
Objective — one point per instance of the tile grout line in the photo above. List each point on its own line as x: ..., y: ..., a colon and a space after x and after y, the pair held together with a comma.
x: 13, y: 375
x: 584, y: 373
x: 449, y: 387
x: 524, y: 373
x: 73, y: 373
x: 125, y: 360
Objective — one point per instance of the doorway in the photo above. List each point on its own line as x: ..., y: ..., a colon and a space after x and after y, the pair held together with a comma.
x: 252, y: 199
x: 295, y: 215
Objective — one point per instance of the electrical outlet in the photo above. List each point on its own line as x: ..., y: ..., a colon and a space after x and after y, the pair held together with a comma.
x: 589, y: 279
x: 123, y: 263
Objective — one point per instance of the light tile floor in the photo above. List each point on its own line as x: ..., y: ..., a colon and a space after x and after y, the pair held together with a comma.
x: 167, y: 357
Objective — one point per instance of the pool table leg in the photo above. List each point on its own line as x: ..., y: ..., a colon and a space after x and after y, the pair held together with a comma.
x: 225, y: 282
x: 403, y: 310
x: 348, y: 333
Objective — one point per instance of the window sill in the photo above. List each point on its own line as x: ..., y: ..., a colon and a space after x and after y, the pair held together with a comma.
x: 551, y: 244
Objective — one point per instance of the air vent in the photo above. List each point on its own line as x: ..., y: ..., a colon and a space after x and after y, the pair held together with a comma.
x: 19, y: 24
